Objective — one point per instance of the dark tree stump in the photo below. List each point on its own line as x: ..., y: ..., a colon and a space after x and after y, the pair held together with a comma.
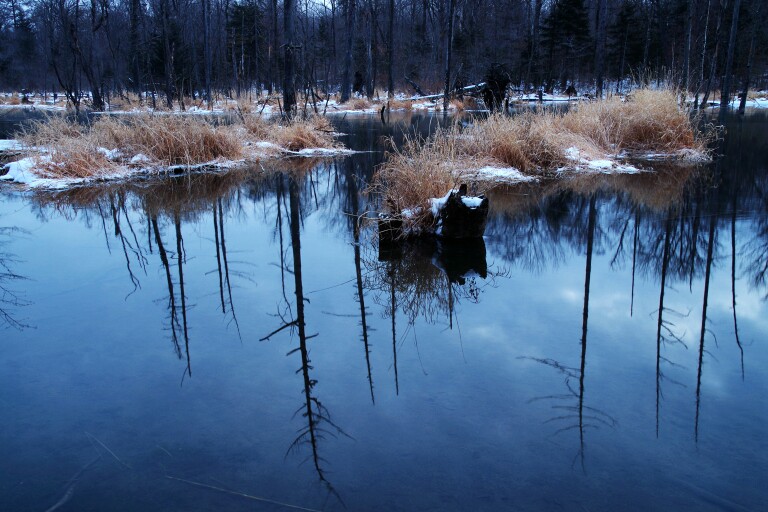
x: 462, y: 216
x: 495, y: 89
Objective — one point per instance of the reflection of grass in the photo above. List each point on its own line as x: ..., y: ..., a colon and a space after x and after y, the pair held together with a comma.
x: 189, y: 196
x: 536, y: 142
x: 658, y: 191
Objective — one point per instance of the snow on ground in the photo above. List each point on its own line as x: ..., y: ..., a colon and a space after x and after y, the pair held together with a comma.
x: 35, y: 106
x: 320, y: 152
x: 584, y: 163
x: 546, y: 98
x: 24, y: 172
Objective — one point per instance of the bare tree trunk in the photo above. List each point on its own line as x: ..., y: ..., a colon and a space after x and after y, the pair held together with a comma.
x: 133, y: 45
x: 703, y: 58
x: 745, y: 88
x: 723, y: 6
x: 687, y: 49
x: 168, y: 61
x: 207, y: 50
x: 289, y: 80
x: 601, y: 14
x: 391, y: 51
x: 448, y: 48
x: 534, y: 40
x: 725, y: 93
x: 346, y: 81
x: 273, y: 50
x: 369, y: 49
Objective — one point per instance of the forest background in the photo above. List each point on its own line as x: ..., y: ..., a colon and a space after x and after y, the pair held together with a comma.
x: 98, y: 49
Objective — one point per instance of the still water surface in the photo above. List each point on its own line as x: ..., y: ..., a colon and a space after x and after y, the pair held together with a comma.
x: 212, y: 337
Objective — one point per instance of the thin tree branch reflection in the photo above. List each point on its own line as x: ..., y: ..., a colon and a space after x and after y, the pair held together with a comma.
x: 172, y: 312
x: 354, y: 221
x: 733, y: 287
x: 180, y: 260
x: 10, y: 298
x: 705, y: 301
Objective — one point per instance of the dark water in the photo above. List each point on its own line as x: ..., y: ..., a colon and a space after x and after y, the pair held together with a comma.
x: 585, y: 357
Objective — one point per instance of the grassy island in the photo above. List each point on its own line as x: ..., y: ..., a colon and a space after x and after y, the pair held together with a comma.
x: 599, y: 136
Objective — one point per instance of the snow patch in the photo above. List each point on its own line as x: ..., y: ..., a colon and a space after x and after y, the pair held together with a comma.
x: 498, y: 175
x: 139, y: 159
x: 437, y: 204
x: 472, y: 201
x: 110, y: 154
x: 322, y: 152
x: 601, y: 165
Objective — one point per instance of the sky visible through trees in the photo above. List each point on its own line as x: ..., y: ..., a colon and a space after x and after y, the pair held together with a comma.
x: 206, y: 48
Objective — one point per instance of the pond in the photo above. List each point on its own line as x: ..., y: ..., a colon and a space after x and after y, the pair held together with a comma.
x: 241, y: 342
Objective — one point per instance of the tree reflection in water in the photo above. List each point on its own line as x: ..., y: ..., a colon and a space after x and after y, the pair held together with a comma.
x: 664, y: 225
x: 319, y: 423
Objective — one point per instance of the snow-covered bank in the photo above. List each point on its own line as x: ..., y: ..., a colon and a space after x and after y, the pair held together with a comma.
x: 756, y: 102
x: 35, y: 171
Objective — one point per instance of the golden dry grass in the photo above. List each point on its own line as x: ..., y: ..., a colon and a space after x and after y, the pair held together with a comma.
x: 168, y: 140
x: 71, y: 152
x: 77, y: 151
x: 357, y: 104
x: 536, y: 142
x: 315, y: 132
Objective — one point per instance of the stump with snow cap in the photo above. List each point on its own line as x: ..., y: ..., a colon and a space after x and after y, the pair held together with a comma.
x: 459, y: 215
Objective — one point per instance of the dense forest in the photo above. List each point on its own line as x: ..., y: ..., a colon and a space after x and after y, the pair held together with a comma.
x: 208, y: 48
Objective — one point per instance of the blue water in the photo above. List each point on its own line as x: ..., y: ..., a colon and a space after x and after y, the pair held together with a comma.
x: 132, y: 383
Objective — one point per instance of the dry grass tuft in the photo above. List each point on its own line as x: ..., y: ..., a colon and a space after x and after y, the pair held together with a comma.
x: 298, y: 135
x: 76, y: 161
x: 400, y: 104
x: 71, y: 151
x: 169, y: 140
x: 649, y: 120
x: 357, y: 104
